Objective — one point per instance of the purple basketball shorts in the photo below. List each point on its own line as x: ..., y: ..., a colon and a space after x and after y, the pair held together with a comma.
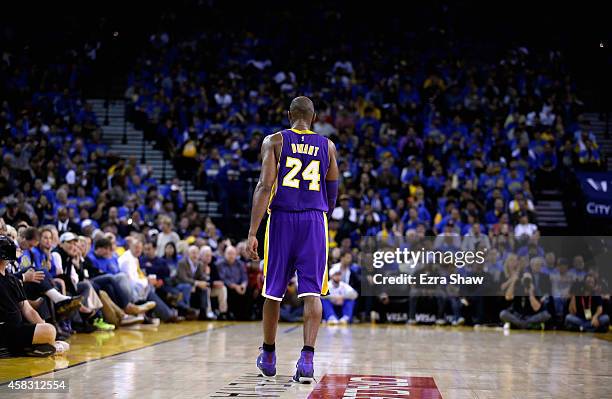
x: 295, y: 243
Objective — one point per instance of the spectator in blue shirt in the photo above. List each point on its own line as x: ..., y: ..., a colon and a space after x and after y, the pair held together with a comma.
x: 107, y: 277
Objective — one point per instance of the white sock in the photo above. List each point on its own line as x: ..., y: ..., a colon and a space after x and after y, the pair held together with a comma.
x: 55, y: 295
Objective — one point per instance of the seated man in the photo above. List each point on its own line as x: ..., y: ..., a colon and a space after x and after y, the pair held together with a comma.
x: 31, y: 336
x: 157, y: 269
x: 341, y: 300
x: 217, y: 287
x: 143, y: 287
x: 586, y: 310
x: 526, y: 310
x: 152, y: 264
x: 351, y: 274
x: 193, y: 280
x: 233, y: 273
x: 105, y: 275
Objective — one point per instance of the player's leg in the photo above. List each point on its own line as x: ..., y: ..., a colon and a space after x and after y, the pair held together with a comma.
x: 311, y: 264
x: 277, y: 273
x: 312, y: 320
x: 266, y: 361
x: 271, y: 314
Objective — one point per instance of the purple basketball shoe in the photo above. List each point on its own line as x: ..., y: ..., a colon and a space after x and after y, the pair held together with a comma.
x: 305, y: 368
x: 266, y: 363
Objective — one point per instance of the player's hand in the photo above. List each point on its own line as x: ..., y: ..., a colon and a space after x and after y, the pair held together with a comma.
x: 251, y: 249
x: 32, y: 276
x: 595, y: 322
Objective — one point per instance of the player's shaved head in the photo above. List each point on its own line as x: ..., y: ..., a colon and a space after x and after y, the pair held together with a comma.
x: 302, y: 108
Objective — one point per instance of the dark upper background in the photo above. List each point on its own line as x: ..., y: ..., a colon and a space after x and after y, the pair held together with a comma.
x: 577, y: 29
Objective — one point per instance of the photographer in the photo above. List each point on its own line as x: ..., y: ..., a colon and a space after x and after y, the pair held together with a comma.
x: 526, y: 310
x: 22, y: 330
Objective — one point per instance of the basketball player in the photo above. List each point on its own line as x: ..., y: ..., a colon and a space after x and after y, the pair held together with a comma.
x: 298, y: 186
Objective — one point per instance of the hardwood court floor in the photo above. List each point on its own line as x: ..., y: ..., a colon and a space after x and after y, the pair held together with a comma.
x: 196, y: 360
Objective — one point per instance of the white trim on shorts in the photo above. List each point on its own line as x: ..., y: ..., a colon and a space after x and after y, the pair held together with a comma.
x: 272, y: 297
x: 309, y: 294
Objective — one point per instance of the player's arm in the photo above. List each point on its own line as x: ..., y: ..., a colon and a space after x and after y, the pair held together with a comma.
x: 331, y: 179
x: 263, y: 190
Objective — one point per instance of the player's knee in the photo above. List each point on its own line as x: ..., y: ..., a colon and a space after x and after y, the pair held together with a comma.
x: 311, y: 299
x: 312, y: 304
x: 272, y: 302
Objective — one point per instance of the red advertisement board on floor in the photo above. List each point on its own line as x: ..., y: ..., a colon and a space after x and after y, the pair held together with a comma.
x: 341, y: 386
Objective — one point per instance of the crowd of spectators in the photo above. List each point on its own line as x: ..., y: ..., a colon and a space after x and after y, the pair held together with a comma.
x: 443, y: 140
x: 436, y: 121
x: 431, y: 139
x: 100, y: 244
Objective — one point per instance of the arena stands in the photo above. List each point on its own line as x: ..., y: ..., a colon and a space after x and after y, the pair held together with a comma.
x: 431, y: 140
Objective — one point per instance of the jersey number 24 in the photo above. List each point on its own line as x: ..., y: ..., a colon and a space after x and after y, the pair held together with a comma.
x: 310, y: 173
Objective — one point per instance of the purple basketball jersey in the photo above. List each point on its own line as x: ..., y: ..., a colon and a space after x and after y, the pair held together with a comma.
x: 303, y: 164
